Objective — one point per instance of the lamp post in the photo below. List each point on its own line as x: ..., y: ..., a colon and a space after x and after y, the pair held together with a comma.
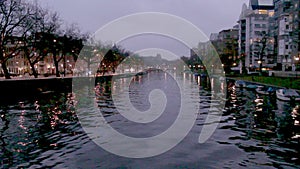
x: 261, y: 53
x: 296, y: 63
x: 260, y: 64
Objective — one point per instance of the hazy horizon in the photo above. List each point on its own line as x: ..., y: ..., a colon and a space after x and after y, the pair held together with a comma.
x: 209, y: 16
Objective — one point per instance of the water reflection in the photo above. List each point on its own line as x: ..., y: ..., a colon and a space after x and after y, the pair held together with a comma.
x: 268, y: 126
x: 44, y: 131
x: 30, y: 127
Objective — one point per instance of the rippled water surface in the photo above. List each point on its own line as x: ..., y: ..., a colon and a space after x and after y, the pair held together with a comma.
x: 255, y: 131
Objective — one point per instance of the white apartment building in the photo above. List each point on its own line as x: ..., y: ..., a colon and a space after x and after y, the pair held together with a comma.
x: 284, y: 42
x: 287, y: 33
x: 256, y: 42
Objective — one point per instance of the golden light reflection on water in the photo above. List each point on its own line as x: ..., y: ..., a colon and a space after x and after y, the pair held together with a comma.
x: 296, y: 115
x: 251, y: 121
x: 22, y: 121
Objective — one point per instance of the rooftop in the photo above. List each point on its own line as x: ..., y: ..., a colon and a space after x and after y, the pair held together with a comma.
x: 261, y: 4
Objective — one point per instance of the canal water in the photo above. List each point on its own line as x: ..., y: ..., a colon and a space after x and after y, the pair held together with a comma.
x: 255, y: 131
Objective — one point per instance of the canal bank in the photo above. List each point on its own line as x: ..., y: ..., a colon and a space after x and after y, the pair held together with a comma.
x: 11, y: 89
x: 277, y: 82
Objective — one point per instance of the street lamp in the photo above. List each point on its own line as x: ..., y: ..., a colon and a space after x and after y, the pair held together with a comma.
x: 260, y: 65
x: 296, y: 58
x: 296, y: 62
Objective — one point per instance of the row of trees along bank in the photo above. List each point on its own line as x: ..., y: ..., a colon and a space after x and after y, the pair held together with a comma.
x: 34, y: 32
x: 27, y: 28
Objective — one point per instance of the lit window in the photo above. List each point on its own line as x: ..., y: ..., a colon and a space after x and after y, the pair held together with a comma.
x: 263, y: 12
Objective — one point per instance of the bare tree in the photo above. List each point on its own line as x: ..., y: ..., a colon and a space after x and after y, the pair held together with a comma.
x: 13, y: 18
x: 72, y: 43
x: 92, y: 54
x: 35, y: 42
x: 113, y: 58
x: 63, y: 43
x: 42, y: 37
x: 262, y: 52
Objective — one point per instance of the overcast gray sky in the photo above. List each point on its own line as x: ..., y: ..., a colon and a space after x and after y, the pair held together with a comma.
x: 210, y: 16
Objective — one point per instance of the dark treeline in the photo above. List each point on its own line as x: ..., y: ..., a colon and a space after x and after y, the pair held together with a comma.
x: 29, y: 30
x: 36, y: 33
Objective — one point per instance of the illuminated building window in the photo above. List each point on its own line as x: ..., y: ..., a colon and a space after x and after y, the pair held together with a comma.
x: 263, y: 11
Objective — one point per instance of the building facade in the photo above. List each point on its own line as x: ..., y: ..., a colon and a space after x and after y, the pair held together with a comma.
x: 287, y: 33
x: 256, y: 39
x: 18, y: 65
x: 226, y: 44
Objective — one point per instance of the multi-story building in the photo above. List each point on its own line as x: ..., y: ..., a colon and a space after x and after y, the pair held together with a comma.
x: 287, y: 33
x: 18, y: 64
x: 226, y: 45
x: 256, y: 41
